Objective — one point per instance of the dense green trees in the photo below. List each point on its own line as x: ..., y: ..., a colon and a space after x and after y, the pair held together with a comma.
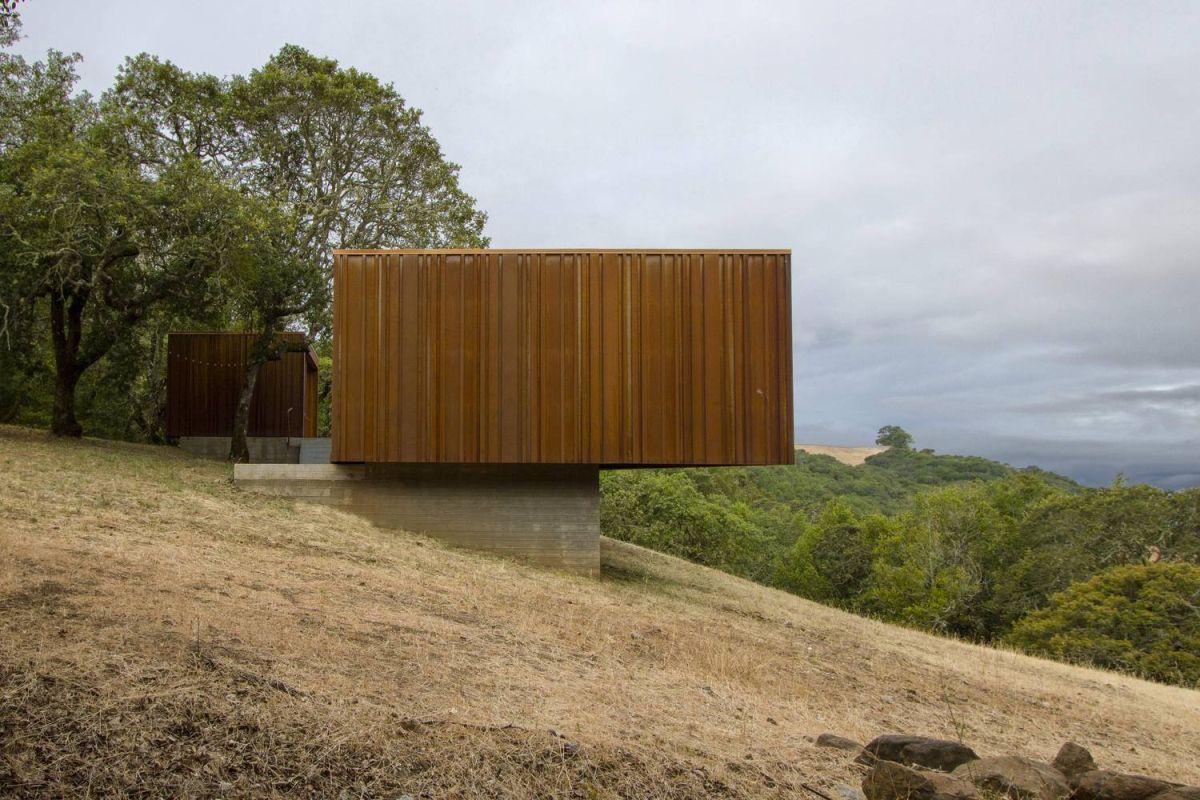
x: 326, y: 157
x: 93, y: 241
x: 956, y: 545
x: 664, y: 510
x: 1141, y: 618
x: 180, y: 197
x: 1065, y: 539
x: 833, y: 557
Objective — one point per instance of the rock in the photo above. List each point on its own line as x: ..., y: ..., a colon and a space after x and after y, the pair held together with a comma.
x: 1179, y: 793
x: 924, y: 751
x: 1103, y: 784
x: 1072, y: 761
x: 839, y: 742
x: 847, y: 792
x: 888, y: 780
x: 1015, y: 777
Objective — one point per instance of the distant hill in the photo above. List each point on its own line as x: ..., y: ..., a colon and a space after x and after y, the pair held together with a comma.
x: 884, y: 481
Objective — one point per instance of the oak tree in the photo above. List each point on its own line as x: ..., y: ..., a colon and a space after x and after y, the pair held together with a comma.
x: 90, y: 238
x: 332, y: 157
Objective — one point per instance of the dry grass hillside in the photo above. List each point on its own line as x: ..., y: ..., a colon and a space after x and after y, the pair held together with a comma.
x: 162, y: 633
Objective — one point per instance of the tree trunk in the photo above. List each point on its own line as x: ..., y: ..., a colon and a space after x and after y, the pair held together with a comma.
x: 239, y: 447
x: 18, y: 399
x: 63, y: 422
x: 66, y: 326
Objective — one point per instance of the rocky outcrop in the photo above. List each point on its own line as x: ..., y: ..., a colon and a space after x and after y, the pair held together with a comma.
x: 889, y: 780
x: 924, y: 751
x: 1073, y: 761
x: 1179, y: 793
x: 901, y: 767
x: 838, y: 742
x: 1103, y: 784
x: 1015, y: 777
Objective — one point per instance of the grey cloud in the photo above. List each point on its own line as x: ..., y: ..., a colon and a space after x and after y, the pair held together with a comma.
x: 1183, y: 398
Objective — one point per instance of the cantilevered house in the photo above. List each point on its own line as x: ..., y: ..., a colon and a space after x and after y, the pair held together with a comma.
x: 477, y: 393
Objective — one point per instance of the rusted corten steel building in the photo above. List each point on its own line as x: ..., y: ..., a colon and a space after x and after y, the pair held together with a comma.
x: 591, y: 357
x: 205, y: 372
x: 478, y: 393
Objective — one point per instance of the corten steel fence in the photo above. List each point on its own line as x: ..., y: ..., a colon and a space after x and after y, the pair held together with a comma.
x: 205, y: 371
x: 614, y: 357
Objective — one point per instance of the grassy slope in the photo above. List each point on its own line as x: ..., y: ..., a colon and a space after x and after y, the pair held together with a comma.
x: 160, y: 629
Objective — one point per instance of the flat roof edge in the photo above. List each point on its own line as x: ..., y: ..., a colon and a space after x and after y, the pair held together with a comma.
x: 561, y: 250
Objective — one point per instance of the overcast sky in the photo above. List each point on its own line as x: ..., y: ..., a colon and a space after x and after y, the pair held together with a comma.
x: 993, y: 208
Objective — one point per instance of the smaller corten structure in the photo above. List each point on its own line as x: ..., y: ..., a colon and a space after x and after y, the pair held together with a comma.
x: 205, y: 372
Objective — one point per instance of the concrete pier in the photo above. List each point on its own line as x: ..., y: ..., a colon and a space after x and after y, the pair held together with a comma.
x: 546, y: 514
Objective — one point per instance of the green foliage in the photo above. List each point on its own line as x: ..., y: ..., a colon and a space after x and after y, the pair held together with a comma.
x: 386, y: 185
x: 832, y: 559
x: 934, y: 568
x: 1069, y: 538
x: 664, y: 510
x: 1142, y: 618
x: 93, y: 238
x: 918, y: 468
x: 324, y: 157
x: 182, y: 198
x: 895, y: 437
x: 10, y: 22
x: 952, y: 544
x: 816, y: 525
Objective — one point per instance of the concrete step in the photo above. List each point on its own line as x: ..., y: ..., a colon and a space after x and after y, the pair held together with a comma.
x: 314, y: 450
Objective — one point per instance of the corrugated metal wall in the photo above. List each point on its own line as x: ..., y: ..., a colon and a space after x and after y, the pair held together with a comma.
x: 204, y: 378
x: 581, y: 356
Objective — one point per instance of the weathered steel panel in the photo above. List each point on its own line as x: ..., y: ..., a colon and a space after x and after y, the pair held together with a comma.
x: 616, y: 357
x: 205, y: 372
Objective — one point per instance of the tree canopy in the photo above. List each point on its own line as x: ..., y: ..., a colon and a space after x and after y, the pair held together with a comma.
x: 326, y: 156
x: 180, y: 196
x: 1139, y: 618
x: 92, y: 239
x: 895, y: 437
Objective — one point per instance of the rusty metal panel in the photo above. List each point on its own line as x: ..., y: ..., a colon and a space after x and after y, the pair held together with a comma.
x: 614, y: 357
x: 311, y: 390
x: 205, y: 371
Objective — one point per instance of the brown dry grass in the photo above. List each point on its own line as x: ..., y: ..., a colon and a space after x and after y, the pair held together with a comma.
x: 851, y: 456
x: 162, y: 633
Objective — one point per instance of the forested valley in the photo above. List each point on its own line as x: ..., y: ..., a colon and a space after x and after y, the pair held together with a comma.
x: 952, y: 544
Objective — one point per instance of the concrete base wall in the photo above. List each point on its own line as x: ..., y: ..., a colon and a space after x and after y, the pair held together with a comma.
x: 549, y: 515
x: 263, y: 449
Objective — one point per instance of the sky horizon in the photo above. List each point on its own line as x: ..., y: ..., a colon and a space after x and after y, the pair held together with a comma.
x: 992, y: 209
